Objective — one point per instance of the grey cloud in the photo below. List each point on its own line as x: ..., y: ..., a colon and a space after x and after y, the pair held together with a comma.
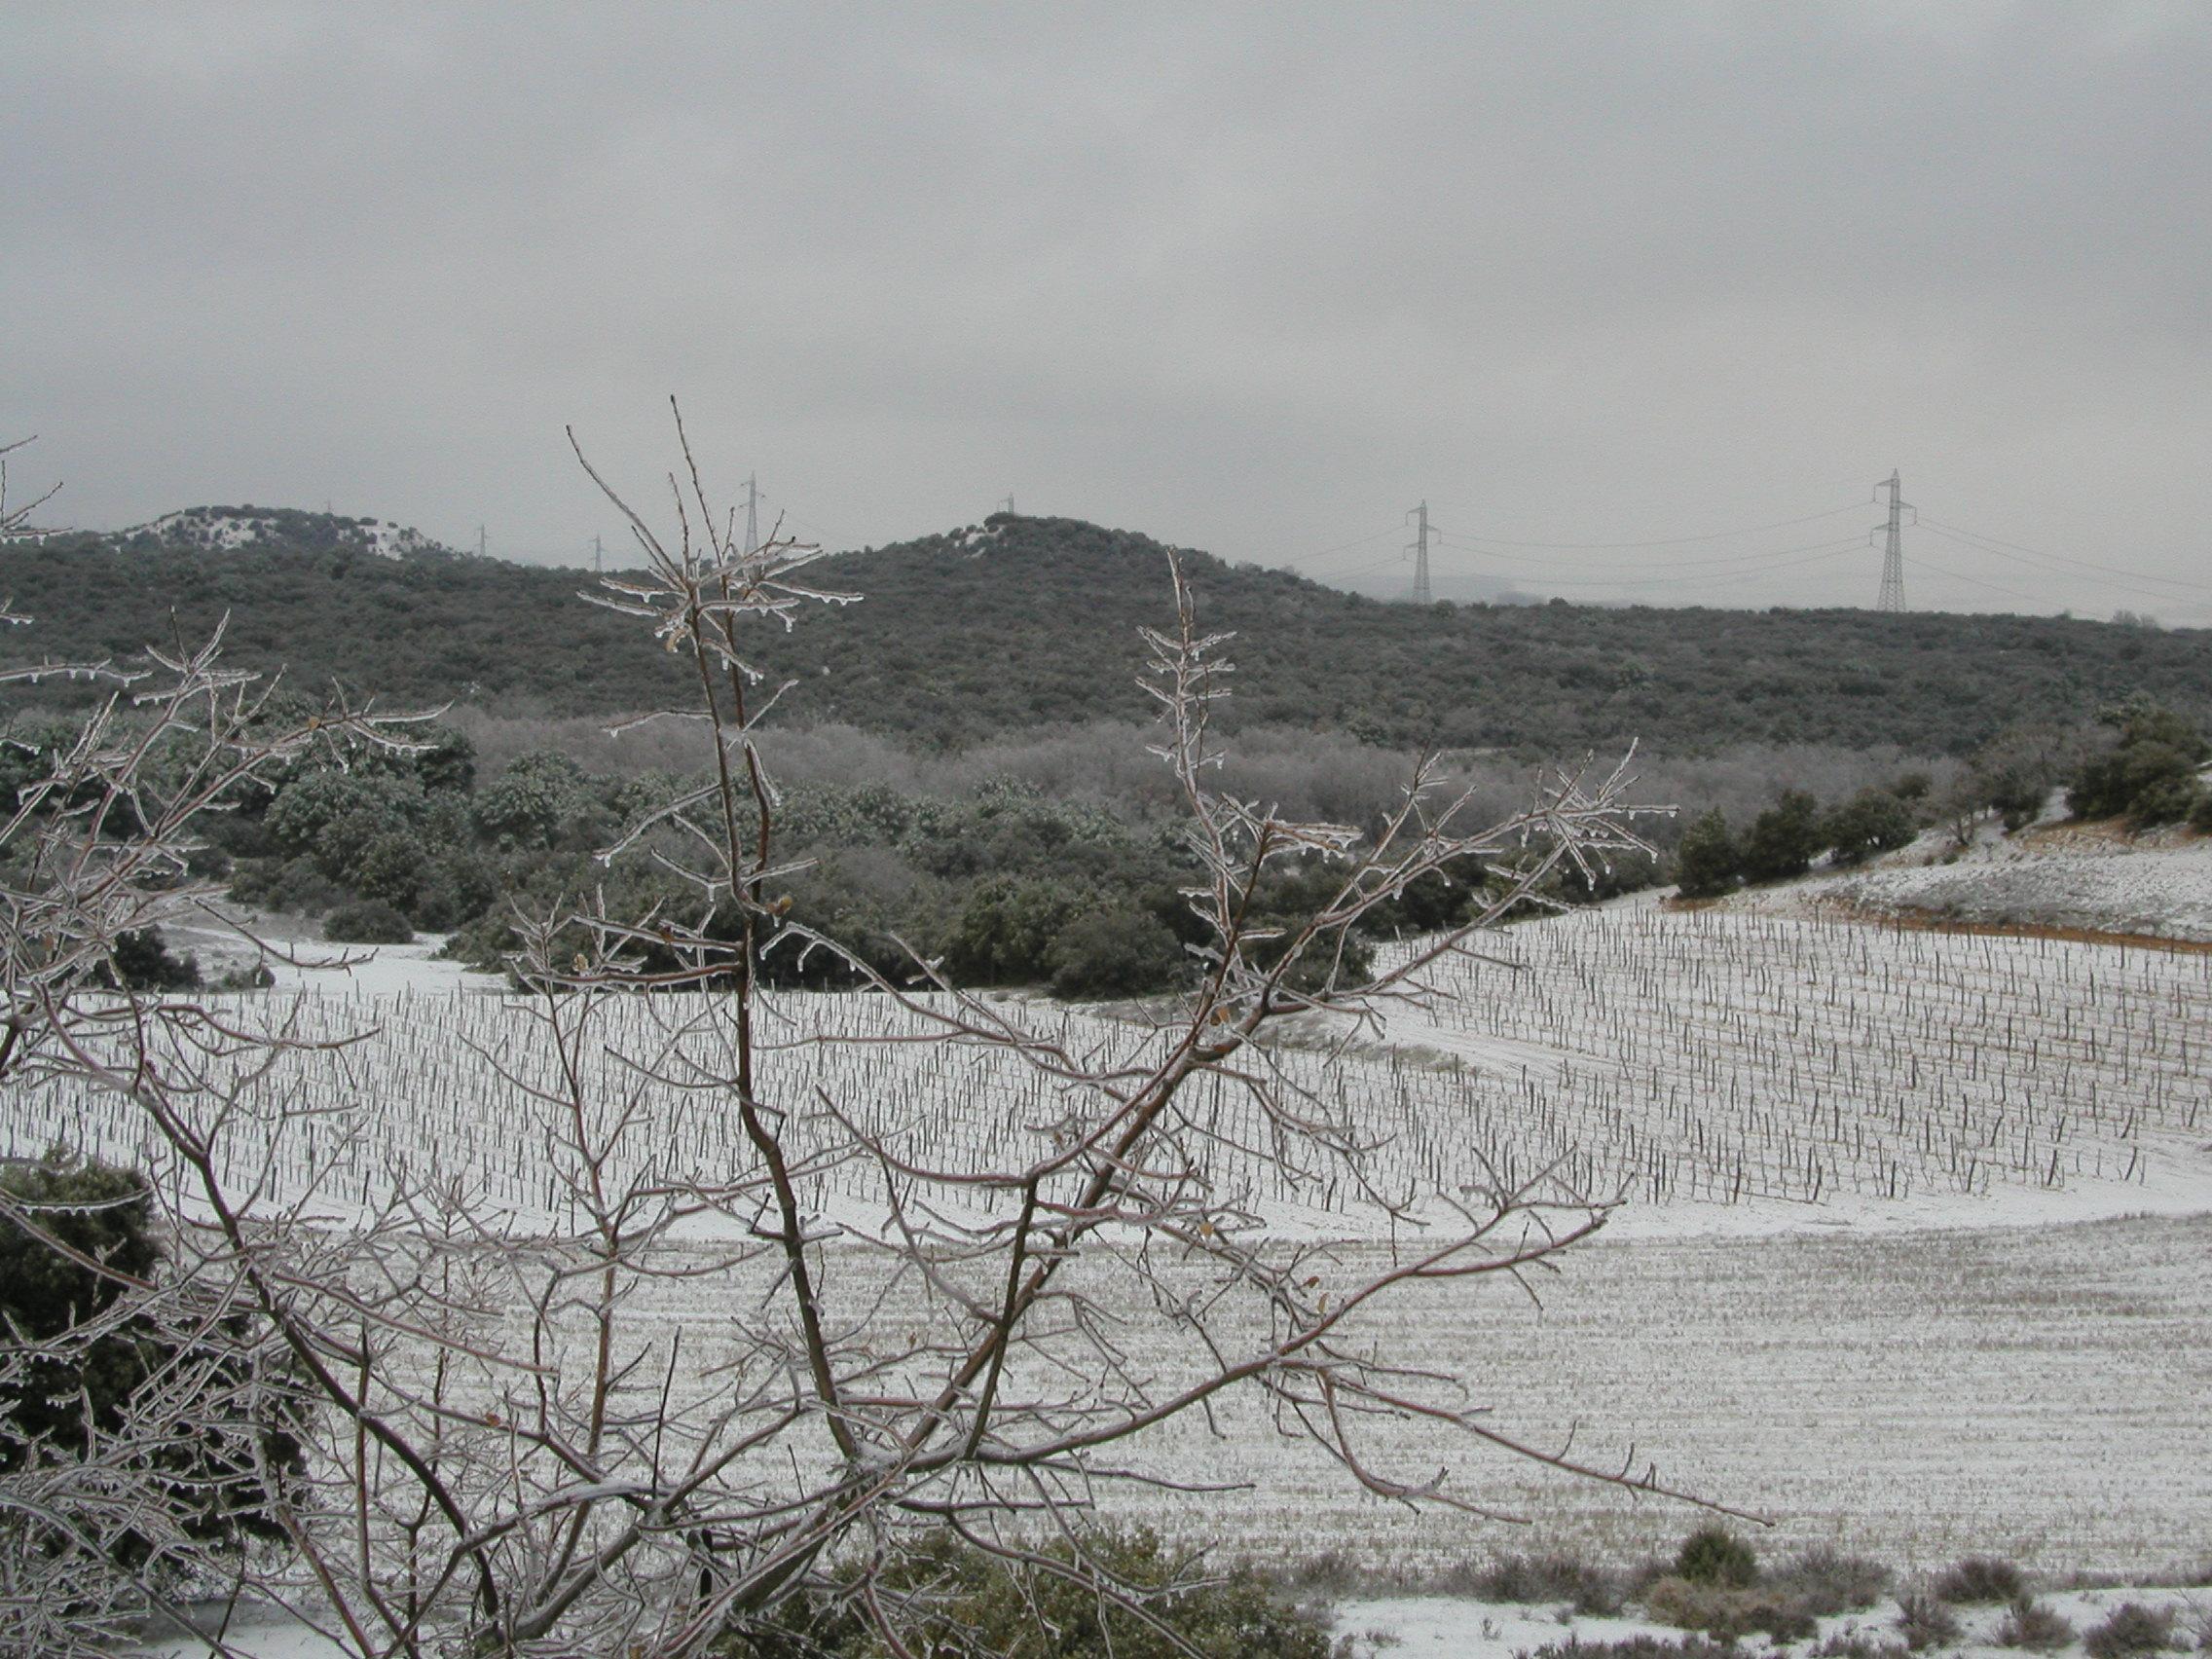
x: 1253, y: 279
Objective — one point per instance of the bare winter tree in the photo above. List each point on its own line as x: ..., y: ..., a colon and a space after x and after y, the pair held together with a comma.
x: 894, y: 1319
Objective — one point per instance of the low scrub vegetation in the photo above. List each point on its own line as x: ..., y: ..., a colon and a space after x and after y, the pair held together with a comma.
x: 1716, y: 1585
x: 2132, y: 1630
x: 1925, y: 1621
x: 1121, y: 1593
x: 1979, y: 1581
x: 2034, y: 1626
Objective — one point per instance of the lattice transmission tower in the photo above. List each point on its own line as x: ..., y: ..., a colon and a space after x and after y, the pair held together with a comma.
x: 1893, y: 550
x: 1418, y: 548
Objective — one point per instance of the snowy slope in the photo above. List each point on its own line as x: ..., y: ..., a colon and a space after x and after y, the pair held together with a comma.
x: 2090, y: 877
x: 224, y: 529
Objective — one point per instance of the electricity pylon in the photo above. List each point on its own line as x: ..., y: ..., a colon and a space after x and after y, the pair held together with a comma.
x: 1892, y: 553
x: 1420, y: 550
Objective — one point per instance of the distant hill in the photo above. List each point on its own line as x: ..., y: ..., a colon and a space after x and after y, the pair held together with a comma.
x: 1024, y: 621
x: 223, y: 530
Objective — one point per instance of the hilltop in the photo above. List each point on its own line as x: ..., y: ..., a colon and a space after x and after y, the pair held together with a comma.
x: 224, y: 529
x: 1025, y: 621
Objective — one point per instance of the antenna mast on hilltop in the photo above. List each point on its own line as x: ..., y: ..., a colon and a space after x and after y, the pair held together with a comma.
x: 1893, y: 552
x: 1420, y: 550
x: 483, y: 543
x: 751, y: 513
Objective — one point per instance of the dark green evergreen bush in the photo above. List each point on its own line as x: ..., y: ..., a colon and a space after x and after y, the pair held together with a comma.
x: 1708, y: 862
x: 961, y: 1600
x: 1783, y: 839
x: 1873, y: 821
x: 76, y: 1390
x: 1118, y: 952
x: 2149, y: 774
x: 370, y: 921
x: 141, y: 961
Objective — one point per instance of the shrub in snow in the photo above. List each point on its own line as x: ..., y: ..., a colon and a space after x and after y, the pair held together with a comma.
x: 2034, y: 1626
x: 1713, y: 1555
x: 2131, y: 1631
x: 1926, y: 1622
x: 1979, y: 1580
x: 372, y: 921
x: 1825, y: 1581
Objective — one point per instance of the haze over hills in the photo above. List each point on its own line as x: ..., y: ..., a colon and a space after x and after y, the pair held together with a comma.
x: 1024, y: 621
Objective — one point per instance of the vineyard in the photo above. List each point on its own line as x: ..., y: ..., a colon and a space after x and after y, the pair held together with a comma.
x: 1709, y: 1058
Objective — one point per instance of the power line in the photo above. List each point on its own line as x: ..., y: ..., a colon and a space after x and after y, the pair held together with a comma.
x: 1721, y: 557
x: 1343, y: 546
x: 1665, y: 541
x: 1993, y: 544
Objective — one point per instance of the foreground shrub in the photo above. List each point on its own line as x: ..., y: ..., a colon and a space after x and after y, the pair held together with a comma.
x: 2149, y: 774
x: 77, y: 1362
x: 2032, y: 1625
x: 372, y: 921
x: 951, y: 1597
x: 1979, y: 1581
x: 1926, y: 1622
x: 1713, y: 1555
x: 2130, y: 1631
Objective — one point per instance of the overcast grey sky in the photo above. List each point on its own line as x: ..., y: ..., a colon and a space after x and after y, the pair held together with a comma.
x: 1253, y: 279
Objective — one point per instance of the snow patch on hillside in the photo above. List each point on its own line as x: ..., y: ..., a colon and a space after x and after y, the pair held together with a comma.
x: 2086, y: 876
x: 220, y: 529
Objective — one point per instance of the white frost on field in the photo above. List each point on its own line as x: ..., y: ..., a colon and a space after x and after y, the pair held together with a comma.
x: 1439, y: 1627
x: 1843, y: 1076
x: 316, y: 966
x: 1446, y: 1627
x: 251, y: 1635
x: 1723, y: 1073
x: 2090, y: 877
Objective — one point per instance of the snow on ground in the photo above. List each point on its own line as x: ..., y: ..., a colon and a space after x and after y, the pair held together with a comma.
x: 218, y: 531
x: 302, y: 960
x: 250, y: 1633
x: 2090, y: 877
x: 1981, y: 1362
x: 1440, y: 1627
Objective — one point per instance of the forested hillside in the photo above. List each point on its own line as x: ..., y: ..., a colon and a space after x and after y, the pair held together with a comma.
x: 1030, y: 620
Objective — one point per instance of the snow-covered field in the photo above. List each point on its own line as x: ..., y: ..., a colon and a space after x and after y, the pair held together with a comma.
x: 1724, y: 1072
x: 1913, y: 1259
x: 2089, y: 877
x: 1439, y: 1627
